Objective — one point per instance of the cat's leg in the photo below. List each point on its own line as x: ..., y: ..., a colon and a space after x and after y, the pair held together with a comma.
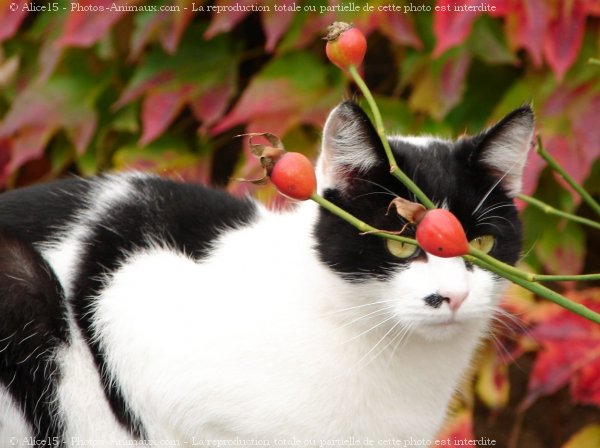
x: 32, y: 328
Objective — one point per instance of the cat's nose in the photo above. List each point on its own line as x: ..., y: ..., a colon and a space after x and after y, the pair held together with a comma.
x: 454, y: 298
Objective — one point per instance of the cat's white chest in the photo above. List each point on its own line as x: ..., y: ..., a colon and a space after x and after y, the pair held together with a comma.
x: 237, y: 347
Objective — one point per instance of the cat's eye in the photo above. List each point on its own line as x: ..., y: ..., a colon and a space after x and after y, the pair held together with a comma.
x: 400, y: 249
x: 484, y: 243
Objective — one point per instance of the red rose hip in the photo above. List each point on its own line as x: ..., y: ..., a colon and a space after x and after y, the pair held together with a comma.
x: 346, y: 45
x: 294, y: 176
x: 441, y: 234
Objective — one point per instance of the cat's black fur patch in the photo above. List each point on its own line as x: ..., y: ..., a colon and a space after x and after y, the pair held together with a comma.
x: 449, y: 173
x: 32, y: 326
x: 37, y: 213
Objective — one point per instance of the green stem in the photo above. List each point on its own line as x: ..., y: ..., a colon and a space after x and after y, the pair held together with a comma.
x: 477, y: 257
x: 360, y: 225
x: 594, y: 61
x: 394, y: 168
x: 542, y: 291
x: 560, y: 170
x: 546, y: 208
x: 474, y: 254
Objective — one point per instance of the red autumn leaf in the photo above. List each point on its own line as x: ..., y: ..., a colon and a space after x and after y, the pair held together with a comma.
x: 90, y: 20
x: 175, y: 26
x: 10, y: 20
x: 264, y: 103
x: 571, y: 156
x: 452, y: 80
x: 585, y: 387
x: 160, y: 108
x: 5, y: 153
x: 526, y: 26
x: 226, y: 21
x: 458, y: 430
x: 585, y: 121
x: 276, y: 23
x: 400, y: 30
x: 569, y: 353
x: 452, y: 28
x: 533, y: 168
x: 564, y: 36
x: 136, y: 90
x: 211, y: 105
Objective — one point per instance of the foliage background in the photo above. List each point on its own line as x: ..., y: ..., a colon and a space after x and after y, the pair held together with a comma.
x: 85, y: 92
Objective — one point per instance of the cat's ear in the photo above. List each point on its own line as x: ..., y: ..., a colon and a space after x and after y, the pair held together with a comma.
x: 503, y: 148
x: 350, y: 147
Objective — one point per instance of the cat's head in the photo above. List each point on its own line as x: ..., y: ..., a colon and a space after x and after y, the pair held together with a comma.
x: 475, y: 177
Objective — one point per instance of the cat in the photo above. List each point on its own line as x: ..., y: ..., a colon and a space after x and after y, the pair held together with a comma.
x: 135, y: 308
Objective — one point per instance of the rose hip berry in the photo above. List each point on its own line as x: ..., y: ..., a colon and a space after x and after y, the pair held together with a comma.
x: 346, y: 45
x: 440, y: 233
x: 294, y: 176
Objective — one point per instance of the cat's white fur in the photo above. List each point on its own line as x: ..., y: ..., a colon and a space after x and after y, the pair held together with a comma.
x: 252, y: 345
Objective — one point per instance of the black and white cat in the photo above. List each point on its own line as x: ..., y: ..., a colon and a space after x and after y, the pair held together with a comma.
x: 137, y: 308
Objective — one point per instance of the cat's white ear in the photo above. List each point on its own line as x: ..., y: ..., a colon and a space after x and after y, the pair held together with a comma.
x: 350, y: 146
x: 504, y: 148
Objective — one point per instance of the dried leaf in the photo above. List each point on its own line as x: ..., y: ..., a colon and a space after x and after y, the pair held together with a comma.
x: 413, y: 212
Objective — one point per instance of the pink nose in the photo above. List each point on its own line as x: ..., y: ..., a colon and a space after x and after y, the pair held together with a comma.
x: 454, y: 298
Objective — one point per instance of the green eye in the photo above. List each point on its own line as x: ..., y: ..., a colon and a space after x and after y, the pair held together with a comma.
x: 400, y: 249
x: 484, y: 243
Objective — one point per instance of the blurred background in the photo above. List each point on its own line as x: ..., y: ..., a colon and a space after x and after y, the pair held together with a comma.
x: 166, y: 86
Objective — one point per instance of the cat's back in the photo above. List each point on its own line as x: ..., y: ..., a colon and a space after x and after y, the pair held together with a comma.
x: 132, y: 207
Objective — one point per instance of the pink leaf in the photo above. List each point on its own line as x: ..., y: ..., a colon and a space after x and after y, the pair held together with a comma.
x: 131, y: 93
x: 10, y: 20
x: 89, y: 21
x: 564, y: 36
x: 397, y: 28
x: 175, y: 26
x: 452, y: 28
x: 264, y: 101
x: 532, y: 18
x: 29, y: 145
x: 276, y: 23
x: 533, y: 168
x: 225, y: 21
x: 160, y: 109
x: 211, y: 105
x: 570, y: 156
x: 585, y: 127
x: 452, y: 80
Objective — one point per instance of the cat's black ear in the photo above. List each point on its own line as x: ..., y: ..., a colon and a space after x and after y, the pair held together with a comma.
x: 350, y: 146
x: 502, y: 149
